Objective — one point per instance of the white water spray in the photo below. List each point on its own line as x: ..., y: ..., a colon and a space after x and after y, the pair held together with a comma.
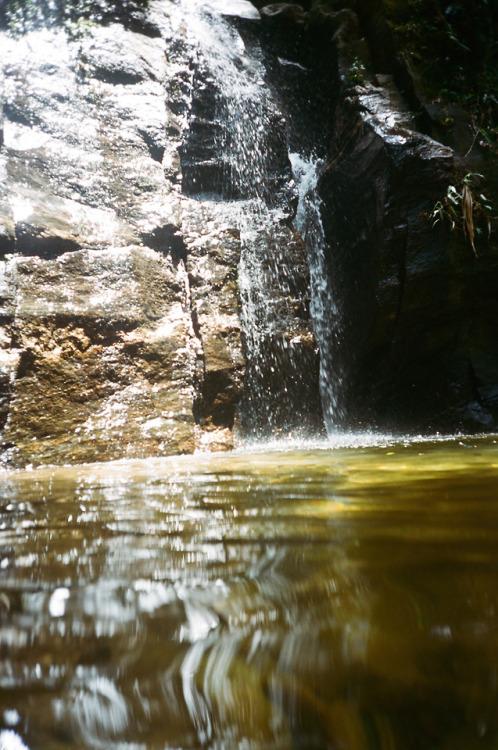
x: 256, y: 191
x: 324, y: 310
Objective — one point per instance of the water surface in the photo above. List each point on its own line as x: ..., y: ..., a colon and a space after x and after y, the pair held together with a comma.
x: 322, y: 597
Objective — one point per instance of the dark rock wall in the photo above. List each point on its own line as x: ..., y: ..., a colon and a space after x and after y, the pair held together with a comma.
x: 419, y: 318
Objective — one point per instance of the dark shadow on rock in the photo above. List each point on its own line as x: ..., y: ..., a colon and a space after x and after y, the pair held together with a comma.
x: 48, y: 247
x: 166, y: 240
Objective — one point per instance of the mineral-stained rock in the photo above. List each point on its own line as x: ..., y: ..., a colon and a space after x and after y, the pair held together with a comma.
x: 112, y: 343
x: 106, y: 354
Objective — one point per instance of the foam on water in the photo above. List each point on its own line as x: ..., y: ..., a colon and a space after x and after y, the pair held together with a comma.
x: 9, y: 740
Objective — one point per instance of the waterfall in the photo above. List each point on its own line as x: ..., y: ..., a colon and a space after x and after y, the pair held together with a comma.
x: 325, y: 312
x: 245, y: 166
x: 205, y: 130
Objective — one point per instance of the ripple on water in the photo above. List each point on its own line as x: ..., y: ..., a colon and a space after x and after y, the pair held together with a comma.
x: 323, y: 596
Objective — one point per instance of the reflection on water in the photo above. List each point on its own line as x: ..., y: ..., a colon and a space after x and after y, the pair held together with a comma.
x: 328, y: 598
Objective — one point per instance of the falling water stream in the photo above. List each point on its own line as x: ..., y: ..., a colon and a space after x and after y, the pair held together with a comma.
x: 258, y: 189
x: 337, y: 594
x: 324, y: 309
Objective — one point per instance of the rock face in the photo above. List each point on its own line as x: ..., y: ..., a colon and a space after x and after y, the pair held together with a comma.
x: 235, y: 159
x: 121, y: 332
x: 119, y: 309
x: 417, y: 329
x: 156, y: 290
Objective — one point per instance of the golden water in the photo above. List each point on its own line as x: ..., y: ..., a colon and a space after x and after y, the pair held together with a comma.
x: 327, y: 597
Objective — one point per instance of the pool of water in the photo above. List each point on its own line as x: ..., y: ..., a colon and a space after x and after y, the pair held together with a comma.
x: 340, y: 595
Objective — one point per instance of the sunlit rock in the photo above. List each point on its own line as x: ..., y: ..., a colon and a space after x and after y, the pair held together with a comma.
x: 106, y: 357
x: 121, y: 334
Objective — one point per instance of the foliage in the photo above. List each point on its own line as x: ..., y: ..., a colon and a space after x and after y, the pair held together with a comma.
x: 465, y: 208
x: 356, y: 73
x: 452, y: 45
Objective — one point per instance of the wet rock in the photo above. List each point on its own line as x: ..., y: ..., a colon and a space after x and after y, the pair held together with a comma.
x: 119, y: 56
x: 286, y: 361
x: 238, y: 8
x: 412, y: 299
x: 127, y: 232
x: 213, y: 253
x: 235, y: 161
x: 410, y: 306
x: 105, y: 357
x: 113, y: 342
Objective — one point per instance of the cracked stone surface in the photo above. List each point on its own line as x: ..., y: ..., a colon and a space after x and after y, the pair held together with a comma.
x: 119, y: 331
x: 120, y: 303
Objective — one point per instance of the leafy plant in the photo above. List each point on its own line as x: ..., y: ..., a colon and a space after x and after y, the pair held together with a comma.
x: 356, y: 73
x: 464, y: 208
x: 80, y: 28
x: 452, y: 47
